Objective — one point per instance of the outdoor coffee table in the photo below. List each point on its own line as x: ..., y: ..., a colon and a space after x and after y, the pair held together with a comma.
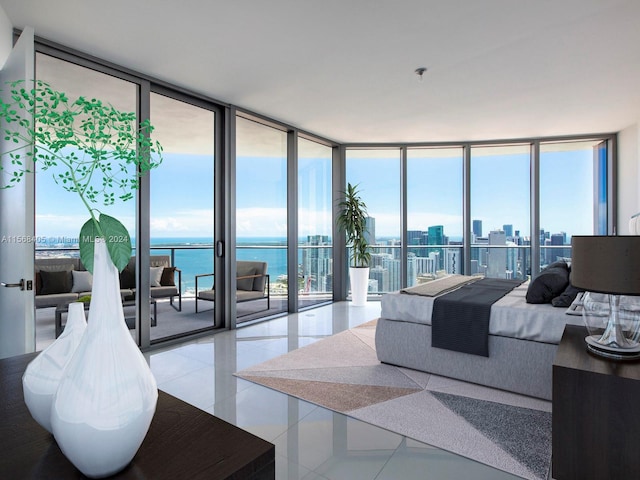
x: 60, y: 309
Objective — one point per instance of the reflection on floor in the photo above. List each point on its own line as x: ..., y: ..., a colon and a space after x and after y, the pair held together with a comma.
x: 170, y: 322
x: 311, y: 442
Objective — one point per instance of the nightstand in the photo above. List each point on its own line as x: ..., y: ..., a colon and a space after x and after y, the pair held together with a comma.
x: 596, y: 413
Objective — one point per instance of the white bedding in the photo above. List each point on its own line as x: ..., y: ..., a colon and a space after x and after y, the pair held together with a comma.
x: 511, y: 316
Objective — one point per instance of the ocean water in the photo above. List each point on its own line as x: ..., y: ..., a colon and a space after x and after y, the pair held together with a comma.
x: 194, y: 256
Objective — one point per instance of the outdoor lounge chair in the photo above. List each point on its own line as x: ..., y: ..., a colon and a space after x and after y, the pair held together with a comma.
x: 252, y: 283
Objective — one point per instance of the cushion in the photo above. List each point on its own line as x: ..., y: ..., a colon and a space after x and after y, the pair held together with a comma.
x: 245, y: 283
x: 550, y: 283
x: 82, y: 281
x: 167, y: 279
x: 566, y: 298
x: 38, y: 279
x: 55, y: 282
x: 128, y: 277
x: 155, y: 274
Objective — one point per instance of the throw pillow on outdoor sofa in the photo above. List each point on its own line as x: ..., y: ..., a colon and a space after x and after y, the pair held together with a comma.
x: 55, y: 282
x: 550, y: 283
x: 128, y: 278
x: 82, y: 281
x: 168, y: 277
x: 155, y: 274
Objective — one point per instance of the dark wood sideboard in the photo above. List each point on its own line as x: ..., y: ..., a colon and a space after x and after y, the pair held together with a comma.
x: 183, y: 442
x: 596, y: 413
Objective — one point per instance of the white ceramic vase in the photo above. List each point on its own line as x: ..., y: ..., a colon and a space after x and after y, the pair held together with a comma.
x: 42, y: 376
x: 107, y: 396
x: 359, y: 281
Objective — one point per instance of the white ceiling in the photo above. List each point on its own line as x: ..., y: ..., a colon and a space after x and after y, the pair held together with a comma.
x: 344, y: 69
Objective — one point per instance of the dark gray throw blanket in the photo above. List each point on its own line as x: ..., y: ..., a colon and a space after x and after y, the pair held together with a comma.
x: 460, y: 319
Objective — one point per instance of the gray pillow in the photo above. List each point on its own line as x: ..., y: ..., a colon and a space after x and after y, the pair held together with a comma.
x: 82, y: 281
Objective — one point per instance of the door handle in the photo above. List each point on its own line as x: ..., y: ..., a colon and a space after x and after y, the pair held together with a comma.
x: 8, y: 285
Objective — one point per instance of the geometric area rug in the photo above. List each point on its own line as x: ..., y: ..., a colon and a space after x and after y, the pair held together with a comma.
x: 507, y: 431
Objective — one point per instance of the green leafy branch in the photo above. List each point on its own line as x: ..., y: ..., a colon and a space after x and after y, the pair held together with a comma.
x: 93, y: 150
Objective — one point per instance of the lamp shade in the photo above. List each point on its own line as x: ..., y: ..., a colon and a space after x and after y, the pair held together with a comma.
x: 606, y: 264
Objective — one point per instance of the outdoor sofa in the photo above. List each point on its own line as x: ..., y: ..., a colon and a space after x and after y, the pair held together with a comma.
x: 59, y: 281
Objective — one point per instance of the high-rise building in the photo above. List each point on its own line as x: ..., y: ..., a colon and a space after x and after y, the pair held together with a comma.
x: 554, y: 253
x: 497, y: 257
x: 416, y: 237
x: 370, y: 234
x: 381, y: 276
x: 435, y: 236
x: 452, y: 261
x: 477, y: 228
x: 508, y: 230
x: 316, y: 263
x: 411, y: 269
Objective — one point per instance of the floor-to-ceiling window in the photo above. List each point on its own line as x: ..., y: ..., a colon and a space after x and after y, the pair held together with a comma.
x: 376, y: 172
x: 182, y: 213
x: 434, y: 213
x: 315, y: 252
x: 500, y: 210
x: 567, y: 196
x: 261, y: 216
x: 60, y: 214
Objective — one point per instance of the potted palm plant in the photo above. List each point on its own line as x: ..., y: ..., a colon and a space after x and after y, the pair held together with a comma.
x: 352, y: 219
x: 99, y: 398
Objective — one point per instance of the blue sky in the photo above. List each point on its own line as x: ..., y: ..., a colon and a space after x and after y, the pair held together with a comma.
x: 182, y: 195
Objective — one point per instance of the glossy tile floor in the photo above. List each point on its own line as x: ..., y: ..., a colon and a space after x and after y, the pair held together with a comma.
x: 311, y: 442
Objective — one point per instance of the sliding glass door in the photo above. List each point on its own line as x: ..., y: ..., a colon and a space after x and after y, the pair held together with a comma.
x: 261, y: 220
x: 182, y: 214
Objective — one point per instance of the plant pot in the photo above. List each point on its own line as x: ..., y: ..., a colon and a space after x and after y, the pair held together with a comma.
x: 107, y: 396
x: 359, y: 281
x: 42, y: 376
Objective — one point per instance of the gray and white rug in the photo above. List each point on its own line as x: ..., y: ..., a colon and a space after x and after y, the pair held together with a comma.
x: 504, y: 430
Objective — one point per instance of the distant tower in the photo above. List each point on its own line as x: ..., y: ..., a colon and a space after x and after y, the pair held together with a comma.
x: 477, y: 228
x: 435, y: 236
x: 497, y: 257
x: 508, y: 230
x: 370, y: 235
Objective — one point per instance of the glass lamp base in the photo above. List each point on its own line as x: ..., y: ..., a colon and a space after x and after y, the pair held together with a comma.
x: 611, y: 350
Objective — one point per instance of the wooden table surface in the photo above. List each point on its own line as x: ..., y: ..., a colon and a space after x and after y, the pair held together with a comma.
x: 183, y: 442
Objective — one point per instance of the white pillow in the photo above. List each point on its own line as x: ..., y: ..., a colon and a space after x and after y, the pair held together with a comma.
x: 155, y: 275
x: 82, y: 281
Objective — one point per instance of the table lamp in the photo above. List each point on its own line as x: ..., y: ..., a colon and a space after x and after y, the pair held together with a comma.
x: 609, y: 265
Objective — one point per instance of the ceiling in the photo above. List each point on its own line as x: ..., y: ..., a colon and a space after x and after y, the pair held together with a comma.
x: 497, y: 69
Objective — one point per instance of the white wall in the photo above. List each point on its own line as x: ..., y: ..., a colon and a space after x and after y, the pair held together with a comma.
x: 6, y: 36
x: 628, y: 176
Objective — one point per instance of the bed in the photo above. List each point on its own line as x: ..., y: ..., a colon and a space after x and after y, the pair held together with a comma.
x: 522, y: 342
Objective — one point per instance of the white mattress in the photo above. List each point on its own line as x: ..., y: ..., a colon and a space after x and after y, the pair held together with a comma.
x: 511, y: 316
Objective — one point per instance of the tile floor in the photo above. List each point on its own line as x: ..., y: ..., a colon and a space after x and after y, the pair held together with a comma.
x: 311, y: 442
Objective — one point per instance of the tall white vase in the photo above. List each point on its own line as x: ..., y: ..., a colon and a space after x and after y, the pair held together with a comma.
x: 107, y: 396
x: 42, y: 376
x: 359, y: 281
